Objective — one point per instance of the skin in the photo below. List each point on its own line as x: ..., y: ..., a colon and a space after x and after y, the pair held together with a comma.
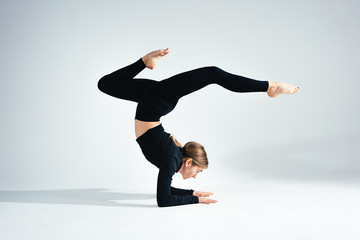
x: 189, y: 170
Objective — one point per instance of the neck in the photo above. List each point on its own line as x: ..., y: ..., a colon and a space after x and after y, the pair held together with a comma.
x: 181, y: 170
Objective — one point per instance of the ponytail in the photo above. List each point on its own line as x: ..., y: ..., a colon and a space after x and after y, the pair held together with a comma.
x: 193, y: 150
x: 176, y: 142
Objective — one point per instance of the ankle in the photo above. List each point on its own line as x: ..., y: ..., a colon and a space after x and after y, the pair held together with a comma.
x: 271, y: 86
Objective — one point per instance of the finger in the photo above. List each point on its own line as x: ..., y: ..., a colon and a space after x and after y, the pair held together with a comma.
x: 208, y: 193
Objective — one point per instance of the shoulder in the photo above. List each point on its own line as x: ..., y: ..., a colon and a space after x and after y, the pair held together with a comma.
x: 172, y: 163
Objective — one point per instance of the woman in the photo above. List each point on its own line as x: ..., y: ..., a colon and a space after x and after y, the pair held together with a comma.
x: 156, y: 99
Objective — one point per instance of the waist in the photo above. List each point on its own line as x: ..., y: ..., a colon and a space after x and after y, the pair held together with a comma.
x: 151, y: 132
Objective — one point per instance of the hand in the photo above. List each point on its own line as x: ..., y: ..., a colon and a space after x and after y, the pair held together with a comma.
x: 202, y: 194
x: 202, y: 197
x: 206, y: 200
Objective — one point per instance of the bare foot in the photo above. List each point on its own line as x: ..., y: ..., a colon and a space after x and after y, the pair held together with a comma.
x: 151, y: 58
x: 276, y: 88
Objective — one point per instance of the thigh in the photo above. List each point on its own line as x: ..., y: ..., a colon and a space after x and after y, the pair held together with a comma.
x: 187, y: 82
x: 127, y: 89
x: 153, y: 105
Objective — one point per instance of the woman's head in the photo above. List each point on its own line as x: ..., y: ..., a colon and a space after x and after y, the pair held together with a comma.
x: 194, y: 158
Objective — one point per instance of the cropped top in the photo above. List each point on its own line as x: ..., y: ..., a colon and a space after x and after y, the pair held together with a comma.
x: 160, y: 150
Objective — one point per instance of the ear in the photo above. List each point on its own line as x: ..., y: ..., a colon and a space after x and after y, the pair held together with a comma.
x: 188, y: 162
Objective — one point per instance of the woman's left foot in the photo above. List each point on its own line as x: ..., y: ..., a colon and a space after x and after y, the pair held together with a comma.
x: 151, y: 58
x: 276, y: 88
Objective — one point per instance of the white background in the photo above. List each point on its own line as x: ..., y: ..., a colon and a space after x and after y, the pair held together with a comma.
x: 281, y: 168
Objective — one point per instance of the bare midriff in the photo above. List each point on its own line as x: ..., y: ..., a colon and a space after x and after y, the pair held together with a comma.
x: 141, y: 127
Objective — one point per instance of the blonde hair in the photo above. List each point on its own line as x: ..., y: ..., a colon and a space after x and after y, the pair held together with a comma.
x: 193, y: 150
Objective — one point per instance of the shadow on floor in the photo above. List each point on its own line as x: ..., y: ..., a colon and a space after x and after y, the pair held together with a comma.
x: 97, y: 197
x: 324, y: 159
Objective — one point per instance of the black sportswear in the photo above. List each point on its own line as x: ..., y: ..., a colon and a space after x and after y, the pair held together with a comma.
x: 168, y: 158
x: 156, y: 99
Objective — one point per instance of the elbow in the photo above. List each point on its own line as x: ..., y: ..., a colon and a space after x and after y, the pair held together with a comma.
x: 162, y: 204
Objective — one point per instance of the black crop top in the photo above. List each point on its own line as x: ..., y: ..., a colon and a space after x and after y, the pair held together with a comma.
x: 159, y: 149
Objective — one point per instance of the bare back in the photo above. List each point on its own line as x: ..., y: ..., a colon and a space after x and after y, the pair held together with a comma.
x: 141, y: 127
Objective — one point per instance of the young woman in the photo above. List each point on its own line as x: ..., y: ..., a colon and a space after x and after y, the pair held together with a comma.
x: 156, y: 99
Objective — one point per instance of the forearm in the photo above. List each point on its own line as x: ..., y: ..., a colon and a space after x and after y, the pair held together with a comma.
x: 174, y: 200
x: 179, y: 191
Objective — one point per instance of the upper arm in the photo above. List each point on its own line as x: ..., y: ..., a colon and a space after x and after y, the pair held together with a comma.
x: 163, y: 195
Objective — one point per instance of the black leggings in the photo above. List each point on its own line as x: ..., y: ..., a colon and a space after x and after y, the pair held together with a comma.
x: 157, y: 98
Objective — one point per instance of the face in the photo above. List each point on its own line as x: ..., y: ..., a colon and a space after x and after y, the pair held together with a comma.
x: 188, y: 170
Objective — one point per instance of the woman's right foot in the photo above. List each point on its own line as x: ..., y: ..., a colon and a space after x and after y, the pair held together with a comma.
x: 276, y: 88
x: 151, y: 58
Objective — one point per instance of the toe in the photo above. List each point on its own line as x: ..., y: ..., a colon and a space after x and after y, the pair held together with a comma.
x: 164, y: 51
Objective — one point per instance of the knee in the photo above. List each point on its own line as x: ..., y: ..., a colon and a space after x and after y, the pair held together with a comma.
x: 215, y: 71
x: 102, y: 83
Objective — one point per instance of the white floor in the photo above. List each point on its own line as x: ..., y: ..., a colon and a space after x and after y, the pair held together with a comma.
x: 247, y: 209
x: 295, y: 170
